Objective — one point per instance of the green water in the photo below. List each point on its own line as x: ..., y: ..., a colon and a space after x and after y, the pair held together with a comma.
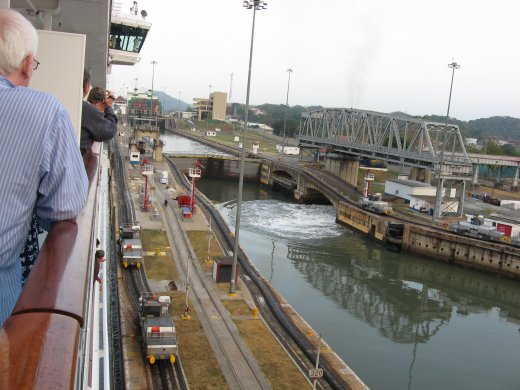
x: 399, y: 321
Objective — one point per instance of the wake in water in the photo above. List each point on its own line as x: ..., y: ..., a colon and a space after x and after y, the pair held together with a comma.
x: 289, y: 221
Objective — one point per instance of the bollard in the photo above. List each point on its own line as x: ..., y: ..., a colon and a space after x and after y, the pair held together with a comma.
x: 309, y: 333
x: 157, y: 252
x: 255, y: 312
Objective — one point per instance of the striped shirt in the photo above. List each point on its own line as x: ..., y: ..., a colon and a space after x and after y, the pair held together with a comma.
x: 41, y: 171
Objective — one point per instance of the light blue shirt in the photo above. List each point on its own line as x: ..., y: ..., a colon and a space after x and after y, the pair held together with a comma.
x: 41, y: 171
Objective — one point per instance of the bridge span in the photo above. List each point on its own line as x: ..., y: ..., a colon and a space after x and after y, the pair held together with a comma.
x: 402, y: 140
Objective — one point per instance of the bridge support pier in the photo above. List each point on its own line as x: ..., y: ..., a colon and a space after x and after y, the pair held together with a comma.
x: 345, y: 167
x: 515, y: 180
x: 158, y: 151
x: 475, y: 175
x: 461, y: 195
x: 420, y: 174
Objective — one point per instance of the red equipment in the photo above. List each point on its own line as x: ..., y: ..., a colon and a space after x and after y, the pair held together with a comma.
x: 146, y: 170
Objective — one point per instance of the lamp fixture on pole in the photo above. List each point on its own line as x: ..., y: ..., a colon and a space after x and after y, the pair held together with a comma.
x: 255, y: 5
x: 437, y: 211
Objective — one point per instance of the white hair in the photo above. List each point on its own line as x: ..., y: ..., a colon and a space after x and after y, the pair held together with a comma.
x: 18, y: 39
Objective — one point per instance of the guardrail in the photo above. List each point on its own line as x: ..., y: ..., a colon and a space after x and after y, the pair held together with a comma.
x: 40, y: 342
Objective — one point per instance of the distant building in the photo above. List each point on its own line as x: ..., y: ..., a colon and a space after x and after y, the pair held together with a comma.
x: 187, y: 115
x: 266, y: 128
x: 256, y: 111
x: 144, y: 104
x: 213, y: 108
x: 420, y: 196
x: 471, y: 141
x: 120, y: 105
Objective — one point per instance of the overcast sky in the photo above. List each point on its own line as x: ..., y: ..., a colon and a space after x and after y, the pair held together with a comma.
x: 375, y: 55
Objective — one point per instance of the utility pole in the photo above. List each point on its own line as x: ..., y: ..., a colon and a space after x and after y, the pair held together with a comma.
x: 209, y: 100
x: 437, y: 211
x: 179, y: 101
x: 255, y: 5
x: 230, y: 88
x: 151, y: 105
x: 164, y: 100
x: 289, y: 71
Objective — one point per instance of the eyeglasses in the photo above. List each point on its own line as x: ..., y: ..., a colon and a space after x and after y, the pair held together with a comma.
x: 36, y: 63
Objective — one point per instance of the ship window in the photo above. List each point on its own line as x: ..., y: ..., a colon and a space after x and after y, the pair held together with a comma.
x: 126, y: 38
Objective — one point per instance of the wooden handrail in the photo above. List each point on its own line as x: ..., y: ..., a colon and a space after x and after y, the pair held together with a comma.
x: 58, y: 281
x: 39, y: 342
x: 38, y: 351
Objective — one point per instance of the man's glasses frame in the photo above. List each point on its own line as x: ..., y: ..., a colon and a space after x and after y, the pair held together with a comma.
x: 36, y: 63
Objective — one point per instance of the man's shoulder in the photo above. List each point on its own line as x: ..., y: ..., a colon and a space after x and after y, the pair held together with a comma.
x: 42, y: 99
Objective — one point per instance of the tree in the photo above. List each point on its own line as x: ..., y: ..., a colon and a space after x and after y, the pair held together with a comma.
x: 509, y: 150
x: 291, y: 128
x: 491, y: 147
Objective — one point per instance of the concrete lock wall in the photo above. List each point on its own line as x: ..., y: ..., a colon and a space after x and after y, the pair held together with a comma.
x: 436, y: 244
x: 463, y: 251
x: 225, y: 168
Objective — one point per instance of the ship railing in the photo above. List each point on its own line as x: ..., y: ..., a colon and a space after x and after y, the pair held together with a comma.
x: 42, y: 343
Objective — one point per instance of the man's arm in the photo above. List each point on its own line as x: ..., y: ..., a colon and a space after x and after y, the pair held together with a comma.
x: 102, y: 126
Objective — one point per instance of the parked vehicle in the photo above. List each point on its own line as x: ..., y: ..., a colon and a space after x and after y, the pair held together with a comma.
x: 131, y: 248
x: 490, y: 200
x: 375, y: 204
x: 475, y: 227
x: 158, y: 334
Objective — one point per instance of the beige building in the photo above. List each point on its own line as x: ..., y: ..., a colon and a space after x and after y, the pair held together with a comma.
x: 212, y: 108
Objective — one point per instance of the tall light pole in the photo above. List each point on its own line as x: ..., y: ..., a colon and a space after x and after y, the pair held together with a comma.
x: 151, y: 98
x: 153, y: 76
x: 289, y: 71
x: 255, y: 5
x: 437, y: 211
x: 179, y: 101
x: 209, y: 100
x: 164, y: 100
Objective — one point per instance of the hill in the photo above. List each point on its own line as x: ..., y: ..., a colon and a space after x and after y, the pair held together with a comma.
x: 170, y: 103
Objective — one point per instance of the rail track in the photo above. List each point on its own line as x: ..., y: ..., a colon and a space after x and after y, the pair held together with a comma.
x: 291, y: 337
x: 239, y: 367
x: 164, y: 375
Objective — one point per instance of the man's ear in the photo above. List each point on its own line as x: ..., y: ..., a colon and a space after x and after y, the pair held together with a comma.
x: 26, y: 69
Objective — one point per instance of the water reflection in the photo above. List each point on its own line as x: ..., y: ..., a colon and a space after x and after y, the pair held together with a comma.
x: 407, y: 302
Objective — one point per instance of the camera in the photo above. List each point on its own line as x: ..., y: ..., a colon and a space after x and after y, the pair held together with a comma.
x: 99, y: 97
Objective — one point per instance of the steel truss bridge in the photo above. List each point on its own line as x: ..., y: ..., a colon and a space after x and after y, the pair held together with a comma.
x: 398, y: 139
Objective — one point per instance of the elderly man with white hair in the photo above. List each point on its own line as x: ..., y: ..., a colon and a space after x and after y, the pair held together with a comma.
x: 42, y: 169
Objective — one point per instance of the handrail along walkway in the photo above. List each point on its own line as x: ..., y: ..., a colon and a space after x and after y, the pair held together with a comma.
x: 40, y: 343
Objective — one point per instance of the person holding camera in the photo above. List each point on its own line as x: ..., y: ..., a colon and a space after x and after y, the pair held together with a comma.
x: 98, y: 120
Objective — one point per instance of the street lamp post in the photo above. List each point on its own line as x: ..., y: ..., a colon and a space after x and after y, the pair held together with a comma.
x: 289, y: 71
x: 179, y: 101
x: 153, y: 75
x: 164, y: 100
x: 209, y: 99
x: 437, y: 211
x: 255, y: 5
